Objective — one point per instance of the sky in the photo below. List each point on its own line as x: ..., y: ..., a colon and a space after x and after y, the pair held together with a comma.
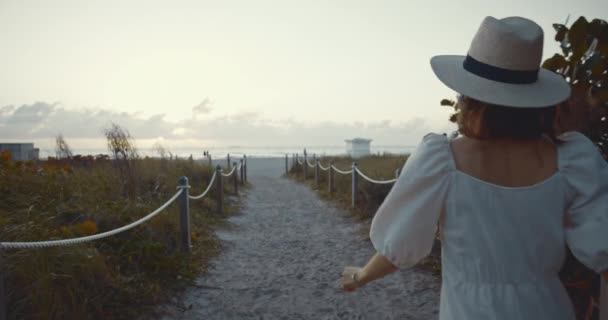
x: 240, y: 72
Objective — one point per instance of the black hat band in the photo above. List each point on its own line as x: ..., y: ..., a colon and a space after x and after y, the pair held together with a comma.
x: 490, y: 72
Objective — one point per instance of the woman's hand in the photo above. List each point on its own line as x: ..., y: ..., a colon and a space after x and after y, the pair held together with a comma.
x: 377, y: 267
x: 351, y: 278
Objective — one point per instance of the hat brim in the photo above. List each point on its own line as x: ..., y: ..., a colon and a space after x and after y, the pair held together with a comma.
x: 550, y: 89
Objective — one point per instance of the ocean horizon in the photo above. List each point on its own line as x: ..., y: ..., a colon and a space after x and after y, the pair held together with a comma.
x: 239, y: 151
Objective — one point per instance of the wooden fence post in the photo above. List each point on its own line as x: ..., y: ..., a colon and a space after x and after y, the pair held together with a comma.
x: 184, y: 215
x: 3, y: 299
x: 242, y: 173
x: 305, y: 166
x: 235, y: 179
x: 355, y: 185
x: 397, y: 172
x: 331, y: 177
x: 297, y: 163
x: 317, y: 172
x: 286, y: 165
x: 228, y: 162
x: 209, y: 159
x: 220, y: 189
x: 245, y: 157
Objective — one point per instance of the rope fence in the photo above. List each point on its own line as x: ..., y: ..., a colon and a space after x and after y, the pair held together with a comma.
x: 182, y: 196
x: 374, y: 180
x: 341, y: 171
x: 206, y: 190
x: 355, y: 173
x: 65, y: 242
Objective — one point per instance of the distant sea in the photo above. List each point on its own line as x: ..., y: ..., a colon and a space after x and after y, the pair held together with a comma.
x: 238, y: 151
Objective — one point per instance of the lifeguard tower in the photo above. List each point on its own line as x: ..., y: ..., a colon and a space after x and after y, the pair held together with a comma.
x: 358, y: 147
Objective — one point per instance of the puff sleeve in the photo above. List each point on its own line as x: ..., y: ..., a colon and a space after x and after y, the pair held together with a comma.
x: 586, y: 174
x: 403, y: 229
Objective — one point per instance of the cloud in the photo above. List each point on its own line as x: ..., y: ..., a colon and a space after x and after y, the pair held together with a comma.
x: 202, y: 108
x: 43, y: 121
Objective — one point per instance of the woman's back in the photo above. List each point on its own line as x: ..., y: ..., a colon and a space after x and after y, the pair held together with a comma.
x: 509, y: 163
x: 503, y: 239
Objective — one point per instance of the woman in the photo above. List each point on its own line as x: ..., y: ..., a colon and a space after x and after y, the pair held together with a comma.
x: 507, y: 196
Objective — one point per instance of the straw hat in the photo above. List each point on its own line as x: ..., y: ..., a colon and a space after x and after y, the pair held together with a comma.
x: 502, y: 66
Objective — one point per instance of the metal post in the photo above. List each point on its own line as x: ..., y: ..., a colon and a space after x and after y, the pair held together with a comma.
x: 242, y: 173
x: 305, y: 165
x: 354, y: 178
x: 184, y: 215
x: 220, y: 189
x: 245, y: 157
x: 317, y: 172
x: 286, y: 165
x: 235, y: 179
x: 228, y: 162
x: 331, y: 177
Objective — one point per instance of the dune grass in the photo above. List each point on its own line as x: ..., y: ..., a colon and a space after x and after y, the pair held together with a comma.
x: 120, y: 277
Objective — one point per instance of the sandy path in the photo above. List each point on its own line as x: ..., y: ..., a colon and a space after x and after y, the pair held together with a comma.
x: 284, y: 257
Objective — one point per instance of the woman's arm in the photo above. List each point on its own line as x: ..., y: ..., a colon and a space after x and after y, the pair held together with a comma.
x: 377, y: 267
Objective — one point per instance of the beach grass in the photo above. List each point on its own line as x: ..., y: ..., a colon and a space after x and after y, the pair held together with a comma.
x: 120, y: 277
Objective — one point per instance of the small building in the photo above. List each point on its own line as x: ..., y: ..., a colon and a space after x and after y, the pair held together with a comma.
x: 358, y: 147
x: 21, y: 151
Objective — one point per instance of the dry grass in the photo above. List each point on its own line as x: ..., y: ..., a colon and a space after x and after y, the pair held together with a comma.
x: 120, y: 277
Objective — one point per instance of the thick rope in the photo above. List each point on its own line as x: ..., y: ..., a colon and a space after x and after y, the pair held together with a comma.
x: 374, y: 180
x: 229, y: 173
x: 206, y: 190
x: 310, y: 165
x: 323, y: 168
x: 53, y: 243
x: 342, y: 172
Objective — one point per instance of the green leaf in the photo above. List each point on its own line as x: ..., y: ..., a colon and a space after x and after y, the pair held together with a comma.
x: 555, y: 63
x: 599, y: 29
x: 447, y: 102
x: 561, y: 31
x: 578, y: 37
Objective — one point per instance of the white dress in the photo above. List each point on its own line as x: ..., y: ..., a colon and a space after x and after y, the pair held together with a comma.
x: 502, y: 247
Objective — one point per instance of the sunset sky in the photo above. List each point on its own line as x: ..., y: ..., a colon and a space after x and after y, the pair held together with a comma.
x: 195, y: 73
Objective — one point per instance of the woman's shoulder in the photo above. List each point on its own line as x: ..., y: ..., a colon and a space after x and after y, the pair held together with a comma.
x: 578, y: 156
x: 432, y: 154
x: 573, y: 138
x: 574, y: 146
